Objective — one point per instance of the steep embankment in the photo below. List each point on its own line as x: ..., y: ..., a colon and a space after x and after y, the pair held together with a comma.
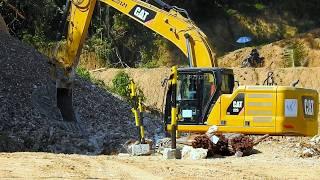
x: 308, y: 51
x: 30, y: 121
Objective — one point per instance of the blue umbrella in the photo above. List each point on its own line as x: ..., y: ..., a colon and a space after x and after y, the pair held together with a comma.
x: 243, y: 40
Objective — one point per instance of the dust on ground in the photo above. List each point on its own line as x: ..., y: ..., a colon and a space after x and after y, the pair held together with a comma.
x: 273, y: 160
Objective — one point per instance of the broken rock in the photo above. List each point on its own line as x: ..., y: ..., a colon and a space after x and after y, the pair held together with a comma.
x: 308, y: 152
x: 169, y: 153
x: 316, y: 139
x: 191, y: 153
x: 141, y: 149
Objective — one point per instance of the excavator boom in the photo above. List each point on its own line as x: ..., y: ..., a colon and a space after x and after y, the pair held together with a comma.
x: 170, y: 24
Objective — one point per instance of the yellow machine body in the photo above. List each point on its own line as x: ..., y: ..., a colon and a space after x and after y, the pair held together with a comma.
x: 277, y: 110
x: 263, y: 109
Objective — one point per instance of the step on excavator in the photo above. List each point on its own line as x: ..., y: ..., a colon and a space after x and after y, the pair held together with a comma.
x: 198, y: 96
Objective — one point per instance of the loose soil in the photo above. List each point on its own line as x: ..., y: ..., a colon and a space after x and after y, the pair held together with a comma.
x: 273, y: 160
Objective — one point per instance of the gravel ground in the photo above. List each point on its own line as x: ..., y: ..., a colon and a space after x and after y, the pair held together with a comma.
x: 105, y: 121
x: 273, y: 160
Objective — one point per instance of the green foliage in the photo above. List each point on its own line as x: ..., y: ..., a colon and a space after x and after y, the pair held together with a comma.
x: 259, y: 6
x: 295, y: 54
x: 101, y: 47
x: 83, y: 73
x: 120, y: 84
x: 38, y: 40
x: 114, y: 36
x: 231, y: 12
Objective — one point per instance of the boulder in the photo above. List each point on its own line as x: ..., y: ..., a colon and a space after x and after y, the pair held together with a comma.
x: 169, y: 153
x: 191, y: 153
x: 141, y: 149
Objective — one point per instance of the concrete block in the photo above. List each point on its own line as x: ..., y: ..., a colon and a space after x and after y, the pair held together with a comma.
x: 186, y: 150
x: 140, y: 149
x: 169, y: 153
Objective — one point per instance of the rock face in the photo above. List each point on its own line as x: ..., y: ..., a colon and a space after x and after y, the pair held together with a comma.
x: 25, y: 125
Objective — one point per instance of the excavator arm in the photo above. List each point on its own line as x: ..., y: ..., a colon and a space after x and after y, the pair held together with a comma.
x: 168, y: 22
x: 173, y: 26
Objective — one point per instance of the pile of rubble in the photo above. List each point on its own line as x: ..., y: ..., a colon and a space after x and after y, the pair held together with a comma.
x: 311, y: 148
x: 105, y: 121
x: 210, y: 144
x: 225, y: 144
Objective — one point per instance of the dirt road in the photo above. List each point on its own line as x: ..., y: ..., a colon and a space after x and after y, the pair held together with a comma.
x: 273, y: 161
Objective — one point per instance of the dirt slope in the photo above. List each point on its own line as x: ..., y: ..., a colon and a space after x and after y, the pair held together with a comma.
x: 273, y: 53
x: 149, y: 80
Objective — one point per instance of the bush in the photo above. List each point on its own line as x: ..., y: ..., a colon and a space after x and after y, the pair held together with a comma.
x: 120, y: 84
x: 101, y: 47
x: 83, y: 73
x: 295, y: 53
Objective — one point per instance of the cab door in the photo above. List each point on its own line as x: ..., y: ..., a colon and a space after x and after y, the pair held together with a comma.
x: 194, y: 92
x: 232, y: 105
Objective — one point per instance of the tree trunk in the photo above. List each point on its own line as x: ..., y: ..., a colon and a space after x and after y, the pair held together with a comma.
x: 3, y: 26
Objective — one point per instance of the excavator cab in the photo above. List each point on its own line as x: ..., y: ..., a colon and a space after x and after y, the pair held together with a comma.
x: 197, y: 92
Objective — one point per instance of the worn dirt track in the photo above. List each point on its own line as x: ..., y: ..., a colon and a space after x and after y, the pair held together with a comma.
x: 273, y: 161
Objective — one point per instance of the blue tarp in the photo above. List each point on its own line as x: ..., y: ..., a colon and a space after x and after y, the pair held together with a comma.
x: 243, y: 40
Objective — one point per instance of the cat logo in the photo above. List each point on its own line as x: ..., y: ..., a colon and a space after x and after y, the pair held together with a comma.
x: 308, y: 106
x: 142, y: 14
x: 236, y: 105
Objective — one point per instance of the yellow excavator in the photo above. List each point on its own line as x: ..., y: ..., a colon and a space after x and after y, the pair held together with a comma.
x: 198, y: 96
